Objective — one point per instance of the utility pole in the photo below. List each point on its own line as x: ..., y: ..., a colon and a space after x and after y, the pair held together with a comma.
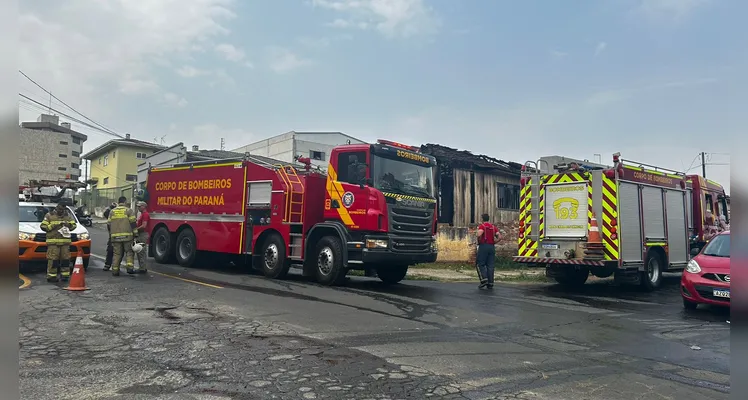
x: 703, y: 164
x: 222, y: 144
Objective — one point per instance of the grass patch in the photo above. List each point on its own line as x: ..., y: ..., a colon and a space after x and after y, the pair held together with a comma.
x: 523, y: 277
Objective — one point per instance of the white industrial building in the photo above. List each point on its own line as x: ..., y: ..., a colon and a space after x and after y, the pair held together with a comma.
x: 285, y: 147
x: 49, y: 150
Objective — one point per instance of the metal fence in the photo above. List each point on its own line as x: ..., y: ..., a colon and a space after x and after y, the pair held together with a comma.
x: 98, y: 200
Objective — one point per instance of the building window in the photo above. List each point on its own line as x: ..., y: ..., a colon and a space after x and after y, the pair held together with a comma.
x: 114, y: 153
x: 106, y: 180
x: 99, y: 160
x: 317, y: 155
x: 76, y: 140
x: 64, y: 143
x: 141, y: 155
x: 62, y: 169
x: 131, y: 178
x: 508, y: 196
x: 75, y: 153
x: 106, y: 160
x: 74, y: 166
x: 63, y: 155
x: 74, y: 177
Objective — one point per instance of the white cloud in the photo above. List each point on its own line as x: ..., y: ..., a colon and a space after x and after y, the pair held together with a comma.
x: 609, y: 96
x: 601, y: 46
x: 283, y: 60
x: 135, y: 86
x: 675, y: 10
x: 390, y: 17
x: 215, y: 132
x: 189, y: 71
x: 232, y: 53
x: 82, y: 49
x: 559, y: 53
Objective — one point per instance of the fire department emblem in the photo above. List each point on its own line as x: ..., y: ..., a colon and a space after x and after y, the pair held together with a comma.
x: 348, y: 199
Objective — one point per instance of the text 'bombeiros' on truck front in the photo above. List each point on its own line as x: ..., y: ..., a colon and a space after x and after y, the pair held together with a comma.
x: 650, y: 220
x: 373, y: 209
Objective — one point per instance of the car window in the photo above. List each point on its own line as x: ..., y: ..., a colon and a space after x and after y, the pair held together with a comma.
x: 719, y: 246
x: 31, y: 213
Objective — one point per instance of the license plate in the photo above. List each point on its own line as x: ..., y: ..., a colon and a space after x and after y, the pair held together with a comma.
x: 721, y: 293
x: 550, y: 246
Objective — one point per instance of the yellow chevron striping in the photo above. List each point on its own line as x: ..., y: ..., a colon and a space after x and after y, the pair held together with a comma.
x: 335, y: 190
x: 609, y: 213
x: 589, y: 206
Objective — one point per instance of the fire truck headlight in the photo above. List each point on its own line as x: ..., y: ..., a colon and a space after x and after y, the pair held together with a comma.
x: 434, y: 246
x: 376, y: 244
x: 262, y: 221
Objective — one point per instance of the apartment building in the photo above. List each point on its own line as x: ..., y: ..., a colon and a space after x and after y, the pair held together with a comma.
x: 49, y: 150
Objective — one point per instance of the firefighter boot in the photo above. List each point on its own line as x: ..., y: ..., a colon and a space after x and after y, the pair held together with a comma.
x: 52, y: 271
x: 65, y: 270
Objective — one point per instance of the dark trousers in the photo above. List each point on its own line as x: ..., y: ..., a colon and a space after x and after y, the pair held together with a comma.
x: 109, y: 254
x: 485, y: 264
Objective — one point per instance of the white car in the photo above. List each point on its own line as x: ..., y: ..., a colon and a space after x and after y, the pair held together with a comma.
x: 31, y: 237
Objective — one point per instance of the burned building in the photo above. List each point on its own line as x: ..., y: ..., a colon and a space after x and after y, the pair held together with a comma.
x: 470, y: 185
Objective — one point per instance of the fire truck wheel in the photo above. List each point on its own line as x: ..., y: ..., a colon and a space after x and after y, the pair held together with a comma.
x: 186, y: 248
x: 651, y: 277
x: 274, y: 263
x: 330, y: 270
x: 162, y: 246
x: 392, y: 274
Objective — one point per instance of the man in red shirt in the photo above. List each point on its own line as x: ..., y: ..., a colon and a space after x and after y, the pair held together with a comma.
x: 488, y: 235
x: 142, y: 226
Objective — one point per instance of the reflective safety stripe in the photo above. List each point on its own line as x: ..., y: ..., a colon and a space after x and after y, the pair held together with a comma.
x: 121, y: 234
x: 58, y: 241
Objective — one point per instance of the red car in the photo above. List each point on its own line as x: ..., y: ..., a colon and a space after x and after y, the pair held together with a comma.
x: 706, y: 279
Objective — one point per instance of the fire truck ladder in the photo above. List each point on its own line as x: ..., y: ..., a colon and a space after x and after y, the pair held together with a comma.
x: 295, y: 199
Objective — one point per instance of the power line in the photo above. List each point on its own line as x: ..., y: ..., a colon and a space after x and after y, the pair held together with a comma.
x: 68, y: 106
x: 74, y: 119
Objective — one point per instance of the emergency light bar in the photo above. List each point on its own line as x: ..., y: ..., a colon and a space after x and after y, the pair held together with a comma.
x: 400, y: 145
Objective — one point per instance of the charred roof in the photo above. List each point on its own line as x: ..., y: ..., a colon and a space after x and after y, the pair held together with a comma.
x: 449, y: 158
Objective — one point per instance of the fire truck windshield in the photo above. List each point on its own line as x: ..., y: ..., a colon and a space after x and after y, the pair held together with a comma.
x: 401, y: 177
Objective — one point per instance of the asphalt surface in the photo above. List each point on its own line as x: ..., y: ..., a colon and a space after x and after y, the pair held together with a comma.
x: 216, y: 332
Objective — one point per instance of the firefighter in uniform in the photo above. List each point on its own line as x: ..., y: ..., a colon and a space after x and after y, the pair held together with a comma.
x: 488, y: 235
x: 122, y: 231
x: 58, y: 224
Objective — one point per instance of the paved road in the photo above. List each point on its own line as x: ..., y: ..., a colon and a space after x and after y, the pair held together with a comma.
x: 214, y: 332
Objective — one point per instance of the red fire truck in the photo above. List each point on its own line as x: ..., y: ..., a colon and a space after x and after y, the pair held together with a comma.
x: 651, y: 220
x: 373, y: 209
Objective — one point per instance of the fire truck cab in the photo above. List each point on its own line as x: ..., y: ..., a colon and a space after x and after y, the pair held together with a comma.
x: 374, y: 209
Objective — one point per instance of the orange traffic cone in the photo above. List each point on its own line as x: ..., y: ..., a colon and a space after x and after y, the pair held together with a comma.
x: 594, y: 248
x: 78, y: 278
x: 594, y: 235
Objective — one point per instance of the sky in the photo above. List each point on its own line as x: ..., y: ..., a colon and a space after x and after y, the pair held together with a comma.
x: 657, y: 80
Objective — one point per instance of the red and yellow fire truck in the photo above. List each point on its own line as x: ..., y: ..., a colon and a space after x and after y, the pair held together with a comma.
x: 651, y: 220
x: 374, y: 209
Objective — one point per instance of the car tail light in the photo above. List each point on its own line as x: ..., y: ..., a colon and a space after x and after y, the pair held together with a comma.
x: 614, y: 236
x: 613, y: 222
x: 613, y: 229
